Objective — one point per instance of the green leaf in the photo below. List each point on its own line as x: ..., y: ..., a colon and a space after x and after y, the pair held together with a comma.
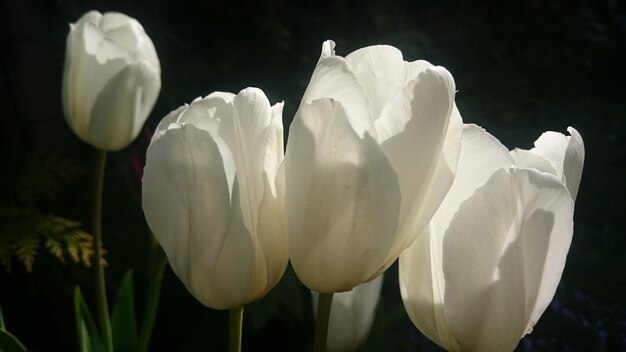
x: 9, y: 343
x: 2, y: 325
x: 123, y: 320
x: 89, y: 339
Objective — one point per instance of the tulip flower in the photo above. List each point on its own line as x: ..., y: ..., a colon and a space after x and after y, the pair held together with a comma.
x: 372, y: 151
x: 111, y: 79
x: 482, y: 273
x: 351, y: 316
x: 209, y: 196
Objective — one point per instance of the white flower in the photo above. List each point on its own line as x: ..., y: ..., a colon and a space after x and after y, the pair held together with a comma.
x: 371, y: 153
x: 210, y: 198
x: 482, y: 273
x: 111, y: 79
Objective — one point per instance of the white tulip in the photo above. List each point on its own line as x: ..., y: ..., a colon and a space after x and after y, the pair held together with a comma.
x: 210, y: 198
x: 371, y: 153
x: 480, y: 276
x: 351, y: 316
x: 111, y: 79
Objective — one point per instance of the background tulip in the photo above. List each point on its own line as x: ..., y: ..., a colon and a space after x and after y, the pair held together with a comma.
x: 351, y: 316
x: 209, y: 196
x: 371, y: 153
x: 483, y: 272
x: 111, y: 79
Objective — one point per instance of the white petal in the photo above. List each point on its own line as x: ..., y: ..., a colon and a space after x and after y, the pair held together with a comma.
x: 574, y: 161
x: 185, y: 191
x: 503, y: 256
x: 328, y: 49
x: 566, y: 155
x: 231, y: 282
x: 75, y: 47
x: 341, y: 200
x: 422, y: 287
x: 269, y: 230
x: 421, y: 275
x: 529, y: 160
x: 380, y: 70
x: 251, y: 119
x: 415, y: 151
x: 333, y: 79
x: 481, y: 155
x: 414, y: 68
x: 552, y: 146
x: 85, y: 76
x: 122, y: 107
x: 122, y: 29
x: 165, y: 123
x: 214, y: 114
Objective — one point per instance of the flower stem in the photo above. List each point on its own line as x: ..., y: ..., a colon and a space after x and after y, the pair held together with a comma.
x: 101, y: 298
x: 324, y: 304
x: 234, y: 336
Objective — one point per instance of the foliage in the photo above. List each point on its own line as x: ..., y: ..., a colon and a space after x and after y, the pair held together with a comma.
x: 25, y: 230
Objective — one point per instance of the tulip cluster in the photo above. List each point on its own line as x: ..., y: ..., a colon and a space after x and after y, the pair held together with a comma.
x: 378, y: 165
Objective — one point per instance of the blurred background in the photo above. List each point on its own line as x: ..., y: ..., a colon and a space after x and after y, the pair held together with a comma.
x: 521, y: 68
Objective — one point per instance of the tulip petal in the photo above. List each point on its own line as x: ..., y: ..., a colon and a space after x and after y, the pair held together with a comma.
x: 250, y: 121
x: 234, y: 278
x: 341, y: 200
x: 333, y: 79
x: 214, y: 114
x: 414, y: 68
x: 380, y: 70
x: 269, y: 230
x: 481, y: 155
x: 528, y: 160
x: 422, y: 288
x: 122, y: 30
x: 566, y: 154
x: 425, y: 110
x: 79, y: 94
x: 134, y: 91
x: 129, y: 33
x: 574, y: 161
x: 186, y: 197
x: 421, y: 275
x: 503, y: 256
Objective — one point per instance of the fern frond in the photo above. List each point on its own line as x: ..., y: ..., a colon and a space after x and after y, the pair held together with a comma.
x: 25, y: 231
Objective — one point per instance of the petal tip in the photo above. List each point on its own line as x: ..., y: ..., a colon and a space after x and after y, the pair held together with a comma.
x: 328, y: 48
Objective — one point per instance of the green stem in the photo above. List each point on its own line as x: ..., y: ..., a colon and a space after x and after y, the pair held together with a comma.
x: 324, y: 303
x: 158, y: 265
x: 234, y: 336
x: 103, y: 309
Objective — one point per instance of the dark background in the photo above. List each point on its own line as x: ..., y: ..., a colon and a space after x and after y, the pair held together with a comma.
x: 521, y: 67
